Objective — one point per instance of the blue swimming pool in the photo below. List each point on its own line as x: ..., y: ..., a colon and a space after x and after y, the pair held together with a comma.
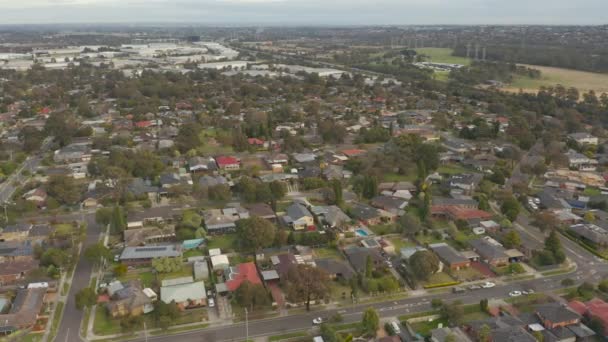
x: 361, y: 232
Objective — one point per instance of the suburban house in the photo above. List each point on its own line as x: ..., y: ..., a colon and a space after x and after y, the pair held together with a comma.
x: 556, y: 315
x: 330, y: 216
x: 579, y: 161
x: 592, y: 233
x: 335, y: 268
x: 395, y: 205
x: 18, y: 231
x: 449, y: 256
x: 144, y: 255
x: 593, y: 309
x: 262, y: 210
x: 201, y: 164
x: 583, y: 138
x: 441, y: 335
x: 357, y: 256
x: 11, y: 251
x: 490, y: 253
x: 130, y: 300
x: 220, y: 221
x: 37, y: 196
x: 465, y: 182
x: 148, y: 235
x: 73, y: 153
x: 370, y: 215
x: 235, y: 276
x: 152, y: 216
x: 184, y: 291
x: 228, y: 163
x: 298, y: 217
x: 207, y: 181
x: 13, y: 271
x: 24, y: 311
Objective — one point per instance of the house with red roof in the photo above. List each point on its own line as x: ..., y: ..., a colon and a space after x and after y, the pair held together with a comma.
x: 593, y: 309
x: 353, y: 152
x: 143, y: 124
x: 228, y: 163
x: 256, y: 142
x: 235, y: 276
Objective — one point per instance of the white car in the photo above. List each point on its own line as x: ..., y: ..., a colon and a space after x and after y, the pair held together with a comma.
x: 317, y: 321
x: 527, y: 292
x: 514, y: 293
x: 488, y: 285
x: 211, y: 302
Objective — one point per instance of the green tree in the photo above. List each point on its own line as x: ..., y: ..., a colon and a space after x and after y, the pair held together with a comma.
x: 452, y: 312
x: 554, y: 246
x: 370, y: 322
x: 97, y: 252
x: 167, y: 264
x: 255, y: 233
x: 85, y: 298
x: 408, y: 224
x: 338, y: 195
x: 369, y: 267
x: 64, y: 189
x: 328, y: 333
x: 510, y: 208
x: 252, y: 296
x: 511, y: 239
x: 55, y: 257
x: 483, y: 305
x: 278, y: 190
x: 103, y: 216
x: 117, y: 223
x: 485, y: 333
x: 424, y: 264
x: 120, y: 270
x: 305, y: 283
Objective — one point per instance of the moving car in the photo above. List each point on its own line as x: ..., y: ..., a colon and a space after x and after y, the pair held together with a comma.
x: 317, y: 321
x: 514, y: 293
x: 488, y: 285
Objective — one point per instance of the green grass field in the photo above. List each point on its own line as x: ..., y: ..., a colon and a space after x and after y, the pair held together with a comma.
x: 443, y: 55
x: 582, y: 80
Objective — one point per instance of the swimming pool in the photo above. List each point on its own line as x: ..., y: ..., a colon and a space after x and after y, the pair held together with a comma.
x: 361, y: 232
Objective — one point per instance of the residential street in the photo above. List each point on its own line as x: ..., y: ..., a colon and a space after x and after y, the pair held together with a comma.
x: 70, y: 324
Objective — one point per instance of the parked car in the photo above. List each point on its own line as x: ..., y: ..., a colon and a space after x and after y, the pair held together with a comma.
x: 458, y: 289
x: 514, y: 293
x: 474, y: 287
x: 317, y: 321
x: 488, y: 285
x: 211, y: 302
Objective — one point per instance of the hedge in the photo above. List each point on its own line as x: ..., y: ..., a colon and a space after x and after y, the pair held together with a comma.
x: 432, y: 286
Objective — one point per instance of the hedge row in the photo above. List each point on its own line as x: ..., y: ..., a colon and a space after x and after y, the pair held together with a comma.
x: 433, y: 286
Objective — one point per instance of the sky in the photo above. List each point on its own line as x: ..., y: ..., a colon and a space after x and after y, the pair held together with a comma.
x: 306, y: 12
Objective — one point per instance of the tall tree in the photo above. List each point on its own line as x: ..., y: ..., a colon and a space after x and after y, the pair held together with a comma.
x: 255, y: 233
x: 117, y: 223
x: 370, y: 322
x: 338, y: 195
x: 424, y: 264
x: 305, y: 283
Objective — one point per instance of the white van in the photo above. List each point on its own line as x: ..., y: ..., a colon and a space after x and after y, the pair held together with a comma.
x: 395, y: 327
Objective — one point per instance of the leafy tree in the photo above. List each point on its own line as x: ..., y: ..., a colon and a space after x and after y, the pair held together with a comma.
x: 305, y: 283
x: 103, y: 216
x: 424, y: 264
x: 252, y: 296
x: 167, y: 264
x: 483, y: 305
x: 545, y: 221
x: 370, y: 322
x: 220, y: 192
x: 96, y: 252
x: 452, y: 312
x: 337, y: 189
x: 117, y: 223
x: 554, y: 246
x: 85, y: 298
x: 165, y: 313
x: 55, y: 257
x: 328, y: 333
x: 255, y: 233
x: 510, y: 208
x: 64, y: 189
x: 485, y: 333
x: 369, y: 267
x: 511, y: 239
x: 120, y: 270
x: 188, y: 137
x: 131, y: 323
x: 408, y: 224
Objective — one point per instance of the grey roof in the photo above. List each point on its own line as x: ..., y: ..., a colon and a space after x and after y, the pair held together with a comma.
x: 388, y: 202
x: 364, y: 212
x: 18, y: 227
x: 149, y: 252
x: 336, y: 267
x: 297, y: 211
x: 556, y: 312
x: 15, y: 248
x: 210, y: 181
x: 138, y: 187
x: 447, y: 254
x: 488, y: 251
x: 591, y: 232
x: 183, y: 292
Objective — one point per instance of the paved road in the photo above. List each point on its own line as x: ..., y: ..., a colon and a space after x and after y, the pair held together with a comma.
x: 7, y: 189
x: 70, y: 324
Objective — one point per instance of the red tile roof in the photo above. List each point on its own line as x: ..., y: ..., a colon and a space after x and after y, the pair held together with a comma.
x: 353, y: 152
x: 223, y: 161
x: 246, y: 271
x: 595, y: 308
x: 143, y: 124
x: 255, y: 141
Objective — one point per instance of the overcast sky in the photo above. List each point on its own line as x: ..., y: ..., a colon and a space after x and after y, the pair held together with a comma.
x: 297, y: 12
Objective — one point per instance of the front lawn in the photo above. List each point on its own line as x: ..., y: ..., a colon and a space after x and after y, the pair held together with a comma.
x: 383, y: 229
x: 439, y: 278
x: 327, y: 253
x: 226, y: 243
x: 400, y: 242
x: 424, y: 328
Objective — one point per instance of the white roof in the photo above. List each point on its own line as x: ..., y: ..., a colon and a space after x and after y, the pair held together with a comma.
x: 220, y: 261
x: 215, y: 251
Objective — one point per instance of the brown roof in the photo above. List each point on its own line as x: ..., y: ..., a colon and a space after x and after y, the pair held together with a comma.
x: 25, y: 309
x: 17, y: 266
